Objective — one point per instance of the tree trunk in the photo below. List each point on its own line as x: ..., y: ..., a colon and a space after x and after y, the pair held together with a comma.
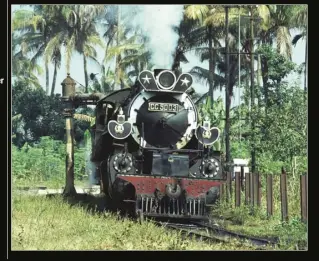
x: 306, y: 65
x: 47, y: 89
x: 264, y: 76
x: 258, y: 79
x: 86, y: 77
x: 54, y: 79
x: 177, y: 63
x: 103, y: 79
x: 117, y: 85
x: 117, y: 59
x: 211, y: 65
x: 247, y: 90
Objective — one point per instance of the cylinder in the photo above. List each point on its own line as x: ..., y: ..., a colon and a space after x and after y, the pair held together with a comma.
x: 68, y: 87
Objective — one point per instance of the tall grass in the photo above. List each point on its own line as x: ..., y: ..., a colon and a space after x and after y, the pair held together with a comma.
x: 44, y: 163
x: 255, y: 221
x: 39, y: 223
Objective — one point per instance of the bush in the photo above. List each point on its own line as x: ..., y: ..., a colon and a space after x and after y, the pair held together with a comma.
x: 45, y: 161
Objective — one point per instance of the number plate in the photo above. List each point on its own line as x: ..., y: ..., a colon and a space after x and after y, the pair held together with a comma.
x: 167, y: 107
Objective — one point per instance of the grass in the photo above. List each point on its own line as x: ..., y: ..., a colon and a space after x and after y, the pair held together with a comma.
x: 40, y: 223
x: 254, y: 221
x: 52, y: 183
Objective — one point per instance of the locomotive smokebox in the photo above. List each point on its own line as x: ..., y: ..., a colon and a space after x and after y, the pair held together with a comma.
x: 68, y: 87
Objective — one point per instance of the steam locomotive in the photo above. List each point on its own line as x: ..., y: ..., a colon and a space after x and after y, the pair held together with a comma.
x: 152, y: 153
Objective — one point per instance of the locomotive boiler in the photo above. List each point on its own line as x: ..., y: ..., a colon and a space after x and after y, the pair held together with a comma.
x: 152, y: 153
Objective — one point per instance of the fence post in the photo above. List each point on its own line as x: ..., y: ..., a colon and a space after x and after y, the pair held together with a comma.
x: 242, y: 178
x: 283, y: 195
x: 304, y: 196
x: 229, y: 187
x: 252, y: 198
x: 247, y: 188
x: 237, y: 189
x: 270, y: 205
x: 258, y: 189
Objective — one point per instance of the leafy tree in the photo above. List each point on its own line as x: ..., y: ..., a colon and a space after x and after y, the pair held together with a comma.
x: 41, y: 115
x: 278, y: 67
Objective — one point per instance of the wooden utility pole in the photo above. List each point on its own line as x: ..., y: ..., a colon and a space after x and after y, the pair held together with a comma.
x: 227, y: 125
x: 252, y: 91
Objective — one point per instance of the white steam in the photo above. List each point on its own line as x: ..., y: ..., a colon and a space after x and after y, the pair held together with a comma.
x: 90, y: 168
x: 156, y: 22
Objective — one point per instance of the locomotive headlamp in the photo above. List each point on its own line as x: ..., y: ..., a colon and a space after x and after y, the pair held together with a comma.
x: 166, y: 79
x: 209, y: 168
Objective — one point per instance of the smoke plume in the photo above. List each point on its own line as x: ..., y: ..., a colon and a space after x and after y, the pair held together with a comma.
x: 156, y: 23
x: 90, y: 168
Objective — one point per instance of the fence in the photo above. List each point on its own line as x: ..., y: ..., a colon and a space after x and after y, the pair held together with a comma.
x: 249, y: 186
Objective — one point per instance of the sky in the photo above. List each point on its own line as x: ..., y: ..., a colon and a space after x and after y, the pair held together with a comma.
x: 77, y: 71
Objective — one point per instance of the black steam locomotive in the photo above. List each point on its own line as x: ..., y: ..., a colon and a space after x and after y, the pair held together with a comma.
x: 152, y: 153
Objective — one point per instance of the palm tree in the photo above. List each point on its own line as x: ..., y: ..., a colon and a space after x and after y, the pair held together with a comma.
x: 33, y: 35
x: 23, y: 70
x: 83, y: 35
x: 191, y: 34
x: 42, y: 33
x: 300, y: 19
x: 128, y: 51
x: 276, y: 22
x: 212, y: 19
x: 130, y: 54
x: 200, y: 12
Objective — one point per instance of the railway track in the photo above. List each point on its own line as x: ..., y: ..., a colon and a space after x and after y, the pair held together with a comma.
x: 213, y: 233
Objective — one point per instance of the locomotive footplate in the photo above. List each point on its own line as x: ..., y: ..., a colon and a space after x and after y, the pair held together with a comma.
x: 171, y: 196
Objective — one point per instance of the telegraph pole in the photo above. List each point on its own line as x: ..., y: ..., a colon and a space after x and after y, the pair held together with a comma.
x: 252, y: 90
x: 227, y: 125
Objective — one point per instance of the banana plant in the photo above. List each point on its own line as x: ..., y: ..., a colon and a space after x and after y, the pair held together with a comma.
x: 87, y: 138
x: 216, y: 116
x: 87, y: 134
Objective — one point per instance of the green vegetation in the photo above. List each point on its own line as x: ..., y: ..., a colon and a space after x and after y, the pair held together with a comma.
x: 39, y: 223
x: 43, y: 164
x: 255, y: 221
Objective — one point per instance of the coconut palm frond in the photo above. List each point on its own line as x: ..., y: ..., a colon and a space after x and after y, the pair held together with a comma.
x: 297, y: 38
x: 196, y: 12
x: 264, y: 13
x: 284, y: 42
x: 69, y: 50
x: 52, y: 45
